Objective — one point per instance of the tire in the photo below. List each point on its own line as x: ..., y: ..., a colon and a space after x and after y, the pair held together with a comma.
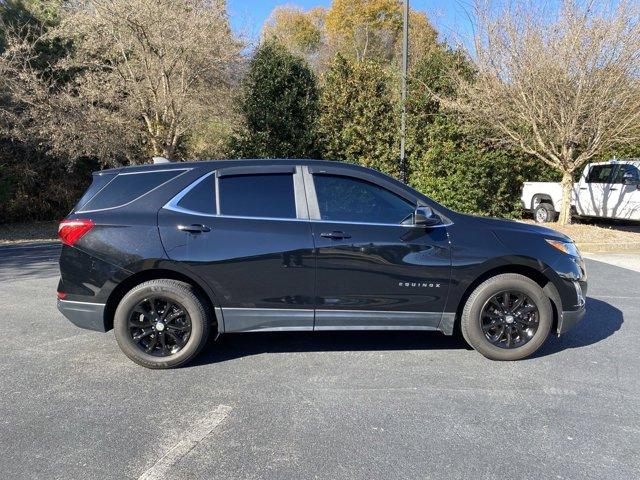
x: 471, y: 322
x: 544, y: 213
x: 192, y: 329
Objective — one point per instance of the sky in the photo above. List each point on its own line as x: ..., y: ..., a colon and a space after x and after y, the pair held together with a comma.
x: 448, y: 16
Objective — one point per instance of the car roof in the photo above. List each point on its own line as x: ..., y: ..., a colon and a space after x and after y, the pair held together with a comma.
x: 620, y: 161
x: 213, y: 164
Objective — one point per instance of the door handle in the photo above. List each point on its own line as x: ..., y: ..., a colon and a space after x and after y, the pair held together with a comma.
x: 195, y: 228
x: 612, y: 189
x: 335, y: 235
x: 583, y: 188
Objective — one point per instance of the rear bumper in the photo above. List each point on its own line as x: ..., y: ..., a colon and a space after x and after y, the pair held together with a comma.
x: 84, y: 314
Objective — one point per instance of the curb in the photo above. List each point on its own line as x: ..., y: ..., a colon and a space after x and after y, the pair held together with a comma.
x: 594, y: 247
x: 29, y: 245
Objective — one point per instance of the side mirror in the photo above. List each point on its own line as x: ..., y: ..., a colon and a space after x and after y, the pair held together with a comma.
x: 630, y: 179
x: 425, y: 217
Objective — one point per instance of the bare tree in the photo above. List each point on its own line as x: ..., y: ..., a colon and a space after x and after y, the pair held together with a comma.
x: 562, y: 84
x: 138, y: 73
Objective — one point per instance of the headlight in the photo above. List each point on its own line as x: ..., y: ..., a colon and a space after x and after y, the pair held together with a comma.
x: 565, y: 247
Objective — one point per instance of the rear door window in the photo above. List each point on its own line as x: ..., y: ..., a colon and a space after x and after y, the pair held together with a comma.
x: 202, y: 197
x: 261, y: 195
x: 127, y: 187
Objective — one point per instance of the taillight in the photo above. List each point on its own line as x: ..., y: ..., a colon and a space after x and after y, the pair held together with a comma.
x: 61, y: 295
x: 70, y: 231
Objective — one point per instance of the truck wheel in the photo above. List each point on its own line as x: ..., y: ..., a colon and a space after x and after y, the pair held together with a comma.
x: 507, y: 317
x: 161, y: 324
x: 544, y: 213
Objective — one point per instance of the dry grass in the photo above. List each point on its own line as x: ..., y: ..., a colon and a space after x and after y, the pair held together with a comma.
x: 601, y: 237
x: 28, y: 232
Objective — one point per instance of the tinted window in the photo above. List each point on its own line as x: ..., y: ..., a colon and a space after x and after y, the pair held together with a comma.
x: 628, y: 170
x: 99, y: 181
x: 352, y: 200
x: 600, y: 174
x: 128, y: 187
x: 202, y: 197
x: 258, y: 196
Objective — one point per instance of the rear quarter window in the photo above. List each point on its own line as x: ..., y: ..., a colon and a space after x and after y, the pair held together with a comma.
x: 99, y: 180
x: 127, y: 187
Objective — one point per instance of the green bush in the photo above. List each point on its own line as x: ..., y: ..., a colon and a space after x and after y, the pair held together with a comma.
x: 279, y: 105
x: 453, y: 162
x: 474, y: 181
x: 359, y: 115
x: 34, y: 186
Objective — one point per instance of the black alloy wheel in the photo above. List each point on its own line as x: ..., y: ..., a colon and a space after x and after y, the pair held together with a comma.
x: 159, y: 326
x: 162, y: 323
x: 509, y: 319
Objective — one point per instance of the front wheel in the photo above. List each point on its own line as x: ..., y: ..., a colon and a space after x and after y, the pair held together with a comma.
x: 507, y: 317
x: 161, y: 324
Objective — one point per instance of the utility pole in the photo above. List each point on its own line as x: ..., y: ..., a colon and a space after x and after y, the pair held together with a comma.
x: 403, y: 119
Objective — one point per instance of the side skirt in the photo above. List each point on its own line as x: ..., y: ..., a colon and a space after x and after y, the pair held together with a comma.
x: 233, y: 319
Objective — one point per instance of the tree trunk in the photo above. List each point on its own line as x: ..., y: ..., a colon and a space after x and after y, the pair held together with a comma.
x: 565, y: 207
x: 167, y: 151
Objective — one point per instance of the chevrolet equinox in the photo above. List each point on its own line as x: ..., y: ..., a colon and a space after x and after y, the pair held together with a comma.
x: 168, y: 255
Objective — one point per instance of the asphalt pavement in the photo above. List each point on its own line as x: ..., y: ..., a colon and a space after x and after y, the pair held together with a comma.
x: 317, y: 405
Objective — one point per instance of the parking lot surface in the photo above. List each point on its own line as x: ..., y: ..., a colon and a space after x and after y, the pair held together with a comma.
x: 316, y: 405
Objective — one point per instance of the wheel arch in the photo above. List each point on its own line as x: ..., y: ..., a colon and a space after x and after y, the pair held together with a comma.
x: 530, y: 272
x: 541, y: 198
x: 155, y: 273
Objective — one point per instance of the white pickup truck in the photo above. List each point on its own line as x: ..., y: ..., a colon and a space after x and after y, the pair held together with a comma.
x: 606, y: 190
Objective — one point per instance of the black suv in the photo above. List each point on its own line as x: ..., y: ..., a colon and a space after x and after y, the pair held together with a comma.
x: 170, y: 254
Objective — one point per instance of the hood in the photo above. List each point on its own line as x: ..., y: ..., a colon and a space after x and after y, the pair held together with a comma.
x: 500, y: 225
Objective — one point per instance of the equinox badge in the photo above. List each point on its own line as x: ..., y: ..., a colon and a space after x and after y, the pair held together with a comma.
x: 419, y: 284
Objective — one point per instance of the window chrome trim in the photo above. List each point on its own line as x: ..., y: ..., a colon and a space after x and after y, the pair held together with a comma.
x: 309, y: 193
x: 173, y: 203
x: 342, y: 222
x: 183, y: 170
x: 156, y: 171
x: 298, y: 192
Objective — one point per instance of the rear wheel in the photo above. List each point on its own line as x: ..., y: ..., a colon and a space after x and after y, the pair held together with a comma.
x: 507, y: 317
x: 544, y: 213
x: 161, y: 324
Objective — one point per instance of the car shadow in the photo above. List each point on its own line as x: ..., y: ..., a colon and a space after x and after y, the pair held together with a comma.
x: 235, y: 345
x: 601, y: 321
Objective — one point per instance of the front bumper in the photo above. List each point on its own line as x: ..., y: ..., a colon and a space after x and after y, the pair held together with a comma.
x: 569, y: 318
x: 84, y: 314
